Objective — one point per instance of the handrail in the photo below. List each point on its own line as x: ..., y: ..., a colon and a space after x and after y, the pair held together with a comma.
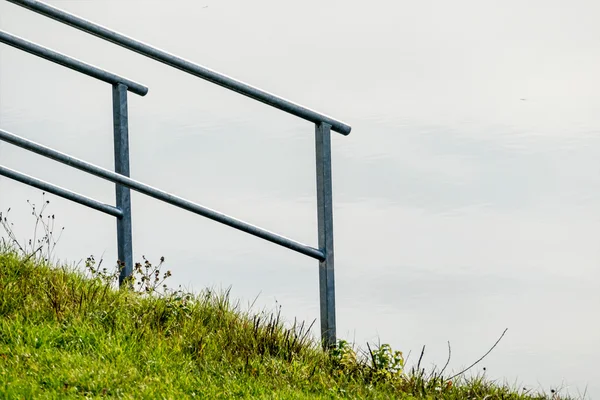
x: 159, y: 194
x: 182, y: 64
x: 71, y: 63
x: 123, y: 184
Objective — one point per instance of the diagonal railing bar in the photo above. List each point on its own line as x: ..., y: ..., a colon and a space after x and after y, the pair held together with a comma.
x: 59, y: 191
x: 161, y: 195
x: 183, y: 64
x: 71, y: 63
x: 123, y: 183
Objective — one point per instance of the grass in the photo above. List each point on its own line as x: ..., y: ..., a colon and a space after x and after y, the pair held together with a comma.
x: 64, y: 334
x: 69, y: 332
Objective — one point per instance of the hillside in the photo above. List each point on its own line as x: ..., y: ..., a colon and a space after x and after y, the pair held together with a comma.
x: 72, y: 334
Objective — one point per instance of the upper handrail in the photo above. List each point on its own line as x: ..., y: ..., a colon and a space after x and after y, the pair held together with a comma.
x: 182, y: 64
x: 71, y: 63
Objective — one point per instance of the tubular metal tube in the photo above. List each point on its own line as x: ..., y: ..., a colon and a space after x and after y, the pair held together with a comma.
x: 123, y: 193
x: 161, y: 195
x: 325, y: 225
x: 182, y: 64
x: 71, y: 63
x: 59, y: 191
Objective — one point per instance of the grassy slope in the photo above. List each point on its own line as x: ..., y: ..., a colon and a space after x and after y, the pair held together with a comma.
x: 64, y: 335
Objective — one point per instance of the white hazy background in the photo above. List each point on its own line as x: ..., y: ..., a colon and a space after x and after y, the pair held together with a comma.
x: 466, y: 196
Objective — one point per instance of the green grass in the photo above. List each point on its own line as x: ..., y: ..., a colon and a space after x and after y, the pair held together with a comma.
x: 66, y: 334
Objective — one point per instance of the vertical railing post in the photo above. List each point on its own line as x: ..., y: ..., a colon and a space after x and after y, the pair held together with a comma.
x: 325, y: 224
x: 123, y: 194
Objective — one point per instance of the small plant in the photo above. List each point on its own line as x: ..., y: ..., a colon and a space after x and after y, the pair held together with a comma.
x: 379, y: 365
x: 344, y: 356
x: 41, y: 247
x: 101, y: 274
x: 386, y: 364
x: 382, y: 365
x: 147, y: 278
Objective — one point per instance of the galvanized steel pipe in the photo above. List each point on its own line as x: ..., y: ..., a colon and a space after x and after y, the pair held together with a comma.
x: 161, y: 195
x: 182, y: 64
x: 71, y: 63
x: 59, y: 191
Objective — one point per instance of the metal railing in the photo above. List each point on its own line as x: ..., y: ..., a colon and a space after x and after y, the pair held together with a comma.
x: 123, y: 183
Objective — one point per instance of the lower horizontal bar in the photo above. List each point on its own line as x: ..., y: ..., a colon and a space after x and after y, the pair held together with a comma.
x: 59, y: 191
x: 162, y: 195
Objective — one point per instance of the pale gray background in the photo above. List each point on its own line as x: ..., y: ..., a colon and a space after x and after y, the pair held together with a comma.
x: 460, y: 209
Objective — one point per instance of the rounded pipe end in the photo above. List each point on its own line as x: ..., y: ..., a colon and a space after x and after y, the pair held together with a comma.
x: 344, y: 129
x: 136, y: 88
